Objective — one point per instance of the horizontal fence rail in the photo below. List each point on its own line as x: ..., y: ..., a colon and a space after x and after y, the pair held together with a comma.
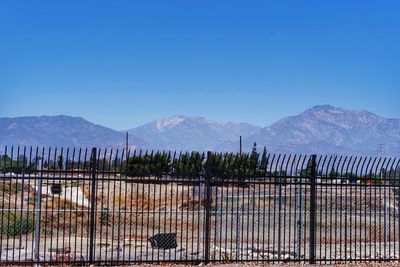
x: 115, y: 206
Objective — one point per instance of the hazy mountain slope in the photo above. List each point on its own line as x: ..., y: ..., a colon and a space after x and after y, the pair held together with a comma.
x: 321, y: 129
x: 60, y: 131
x: 190, y: 133
x: 326, y: 129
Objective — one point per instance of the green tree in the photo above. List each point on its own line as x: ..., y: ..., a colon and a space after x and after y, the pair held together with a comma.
x: 333, y: 174
x: 22, y: 161
x: 253, y: 164
x: 17, y: 166
x: 45, y: 164
x: 264, y: 163
x: 155, y: 164
x: 6, y: 163
x: 308, y: 171
x: 12, y: 224
x: 60, y: 162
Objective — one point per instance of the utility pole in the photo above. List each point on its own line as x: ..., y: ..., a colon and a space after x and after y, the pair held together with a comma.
x: 240, y: 145
x: 127, y: 143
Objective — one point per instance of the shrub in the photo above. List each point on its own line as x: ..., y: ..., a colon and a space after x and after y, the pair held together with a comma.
x: 9, y: 188
x: 15, y: 225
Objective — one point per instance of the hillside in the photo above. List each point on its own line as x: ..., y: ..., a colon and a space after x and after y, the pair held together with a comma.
x: 322, y: 129
x: 60, y: 131
x: 190, y: 133
x: 329, y: 130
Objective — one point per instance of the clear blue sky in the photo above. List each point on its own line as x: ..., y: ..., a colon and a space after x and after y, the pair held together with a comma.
x: 123, y: 63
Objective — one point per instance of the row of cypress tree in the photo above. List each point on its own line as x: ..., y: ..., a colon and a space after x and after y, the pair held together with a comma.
x: 193, y: 165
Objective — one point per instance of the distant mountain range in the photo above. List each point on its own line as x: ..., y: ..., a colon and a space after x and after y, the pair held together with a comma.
x: 61, y: 131
x: 328, y: 130
x: 321, y: 129
x: 191, y: 133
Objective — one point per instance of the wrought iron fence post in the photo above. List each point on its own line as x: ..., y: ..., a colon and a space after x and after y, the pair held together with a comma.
x: 313, y: 200
x: 238, y: 223
x: 298, y: 204
x: 93, y: 162
x: 38, y: 212
x: 279, y: 219
x: 208, y: 209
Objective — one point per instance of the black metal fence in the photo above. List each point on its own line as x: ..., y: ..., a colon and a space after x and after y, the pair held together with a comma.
x: 95, y: 206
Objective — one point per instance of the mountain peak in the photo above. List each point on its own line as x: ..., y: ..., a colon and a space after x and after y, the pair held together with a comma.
x: 60, y: 130
x: 331, y: 113
x: 326, y: 113
x: 328, y: 129
x: 169, y: 122
x: 324, y: 108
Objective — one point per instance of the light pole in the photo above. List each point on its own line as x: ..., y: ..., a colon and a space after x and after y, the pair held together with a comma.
x: 240, y: 145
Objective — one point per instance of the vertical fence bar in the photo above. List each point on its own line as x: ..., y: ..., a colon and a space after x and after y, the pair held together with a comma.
x: 238, y: 223
x: 298, y: 201
x: 92, y: 204
x: 313, y: 200
x: 38, y: 212
x: 280, y: 218
x: 208, y: 209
